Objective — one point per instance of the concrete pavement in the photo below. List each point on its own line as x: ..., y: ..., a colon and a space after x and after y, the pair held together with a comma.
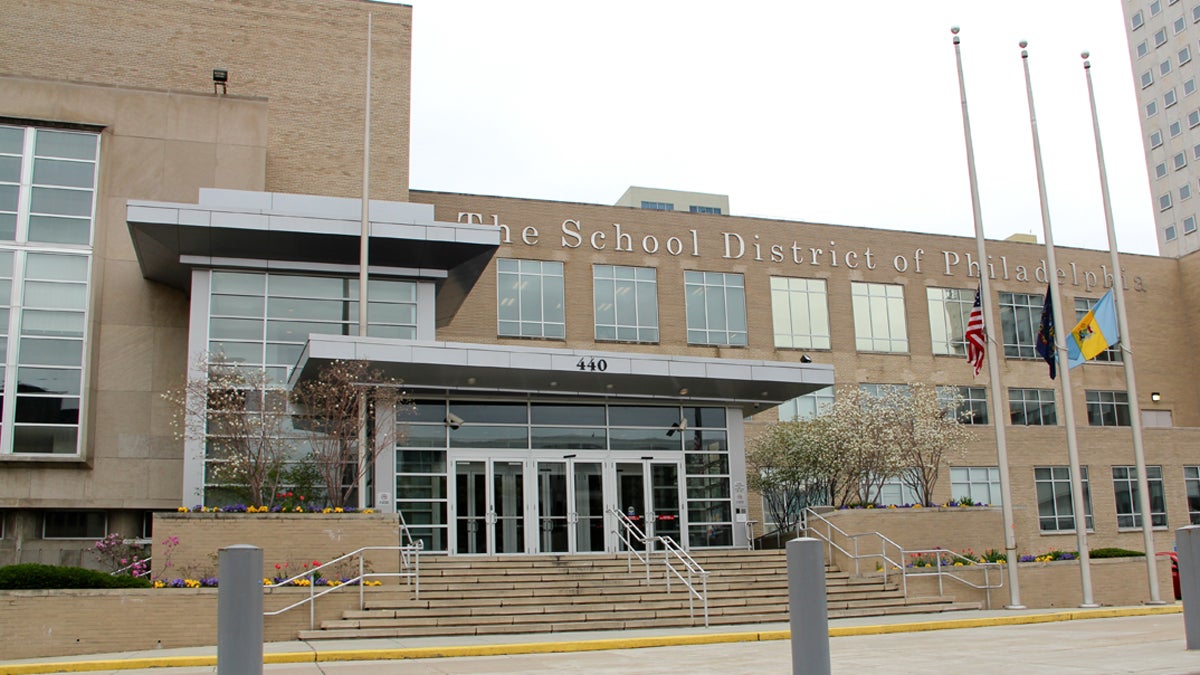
x: 1110, y: 640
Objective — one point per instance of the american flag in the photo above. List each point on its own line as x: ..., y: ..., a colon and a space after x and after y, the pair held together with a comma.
x: 975, y: 335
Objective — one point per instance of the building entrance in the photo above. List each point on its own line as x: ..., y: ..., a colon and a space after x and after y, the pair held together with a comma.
x: 559, y: 505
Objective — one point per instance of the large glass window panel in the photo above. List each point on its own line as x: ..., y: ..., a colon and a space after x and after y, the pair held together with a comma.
x: 800, y: 313
x: 1125, y: 489
x: 45, y: 323
x: 64, y: 173
x: 61, y: 201
x: 51, y: 352
x: 949, y: 312
x: 625, y: 301
x: 60, y: 230
x: 1020, y: 316
x: 1032, y: 407
x: 44, y: 440
x: 1056, y: 511
x: 643, y: 440
x: 716, y: 308
x: 879, y: 320
x: 1107, y: 408
x: 530, y: 300
x: 65, y: 144
x: 49, y: 380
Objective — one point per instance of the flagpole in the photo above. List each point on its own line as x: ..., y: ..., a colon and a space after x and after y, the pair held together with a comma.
x: 1060, y: 350
x: 1135, y: 413
x: 363, y: 273
x: 998, y: 412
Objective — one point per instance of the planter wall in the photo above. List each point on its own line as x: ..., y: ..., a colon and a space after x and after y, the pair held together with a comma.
x: 68, y: 622
x: 292, y: 538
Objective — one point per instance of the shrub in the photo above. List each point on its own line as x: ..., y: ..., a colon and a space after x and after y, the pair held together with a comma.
x: 1114, y: 553
x: 36, y: 576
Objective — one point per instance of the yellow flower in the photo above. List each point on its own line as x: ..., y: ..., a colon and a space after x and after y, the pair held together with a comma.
x: 891, y: 506
x: 368, y: 510
x: 182, y: 509
x: 916, y: 506
x: 266, y: 581
x: 299, y: 509
x: 338, y: 510
x: 326, y: 510
x: 160, y: 584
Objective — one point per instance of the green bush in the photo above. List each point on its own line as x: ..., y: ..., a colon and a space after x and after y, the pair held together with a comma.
x: 35, y: 576
x: 1114, y: 553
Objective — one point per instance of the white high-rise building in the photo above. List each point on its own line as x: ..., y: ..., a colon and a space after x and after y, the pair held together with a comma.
x: 1164, y: 45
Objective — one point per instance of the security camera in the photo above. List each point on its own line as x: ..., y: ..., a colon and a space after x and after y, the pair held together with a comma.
x: 453, y: 421
x: 805, y: 359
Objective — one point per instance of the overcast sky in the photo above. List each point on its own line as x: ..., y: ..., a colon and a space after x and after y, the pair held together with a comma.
x: 829, y: 112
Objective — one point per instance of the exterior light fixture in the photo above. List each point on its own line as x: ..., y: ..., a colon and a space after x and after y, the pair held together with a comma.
x: 806, y: 359
x: 220, y: 79
x: 1155, y: 396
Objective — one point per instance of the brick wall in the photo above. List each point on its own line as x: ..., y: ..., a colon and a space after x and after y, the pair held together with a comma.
x: 63, y: 623
x: 293, y: 539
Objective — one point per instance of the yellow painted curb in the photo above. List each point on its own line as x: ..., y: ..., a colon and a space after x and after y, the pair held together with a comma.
x: 584, y: 645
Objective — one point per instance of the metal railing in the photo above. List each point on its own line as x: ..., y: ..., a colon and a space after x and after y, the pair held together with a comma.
x: 677, y: 562
x: 942, y: 563
x: 311, y: 576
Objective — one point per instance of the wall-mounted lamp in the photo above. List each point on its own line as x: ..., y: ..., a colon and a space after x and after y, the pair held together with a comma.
x: 220, y: 79
x: 453, y: 421
x: 1155, y: 396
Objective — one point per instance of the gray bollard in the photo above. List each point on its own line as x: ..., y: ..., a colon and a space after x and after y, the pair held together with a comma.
x: 807, y: 607
x: 1187, y: 547
x: 240, y: 610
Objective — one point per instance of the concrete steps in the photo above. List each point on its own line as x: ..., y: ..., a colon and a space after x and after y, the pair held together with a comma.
x: 496, y: 595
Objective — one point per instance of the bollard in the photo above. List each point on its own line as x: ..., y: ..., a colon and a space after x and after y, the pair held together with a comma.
x: 240, y: 610
x: 807, y: 607
x: 1187, y: 547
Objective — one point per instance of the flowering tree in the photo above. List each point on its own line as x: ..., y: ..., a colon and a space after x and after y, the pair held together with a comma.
x: 787, y: 467
x: 336, y: 413
x: 928, y: 433
x: 241, y: 417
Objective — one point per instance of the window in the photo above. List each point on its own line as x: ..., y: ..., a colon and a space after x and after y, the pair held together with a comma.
x: 716, y: 210
x: 625, y: 300
x: 1107, y: 408
x: 807, y: 406
x: 980, y: 484
x: 1175, y: 128
x: 1178, y: 25
x: 1151, y: 108
x: 1196, y: 13
x: 530, y: 298
x: 1189, y: 86
x: 1191, y: 479
x: 1137, y: 20
x: 1169, y: 233
x: 1196, y: 152
x: 1180, y: 160
x: 879, y: 322
x: 1160, y: 37
x: 716, y: 308
x: 1169, y: 98
x: 1032, y: 407
x: 1143, y: 48
x: 1156, y: 139
x: 881, y: 390
x: 1147, y: 79
x: 1020, y: 315
x: 263, y: 320
x: 1160, y: 170
x: 1056, y: 511
x: 658, y: 206
x: 1189, y: 224
x: 1125, y: 485
x: 1185, y: 55
x: 74, y: 525
x: 1164, y: 67
x: 894, y: 492
x: 1155, y: 7
x: 1082, y: 307
x: 1164, y: 201
x: 1185, y: 193
x: 800, y: 313
x: 973, y: 408
x: 1194, y: 118
x: 47, y: 196
x: 949, y: 312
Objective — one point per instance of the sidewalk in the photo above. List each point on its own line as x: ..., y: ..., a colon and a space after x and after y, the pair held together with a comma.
x: 1109, y: 640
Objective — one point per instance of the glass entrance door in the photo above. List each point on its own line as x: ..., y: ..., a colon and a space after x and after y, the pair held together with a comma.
x: 570, y: 506
x: 648, y: 493
x: 489, y: 506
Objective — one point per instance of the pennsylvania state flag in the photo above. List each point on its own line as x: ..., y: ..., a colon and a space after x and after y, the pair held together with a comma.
x: 1094, y: 333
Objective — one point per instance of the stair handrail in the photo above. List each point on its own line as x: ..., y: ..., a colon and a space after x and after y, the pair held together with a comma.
x: 671, y: 549
x: 629, y: 533
x: 311, y: 575
x: 944, y: 558
x: 886, y: 562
